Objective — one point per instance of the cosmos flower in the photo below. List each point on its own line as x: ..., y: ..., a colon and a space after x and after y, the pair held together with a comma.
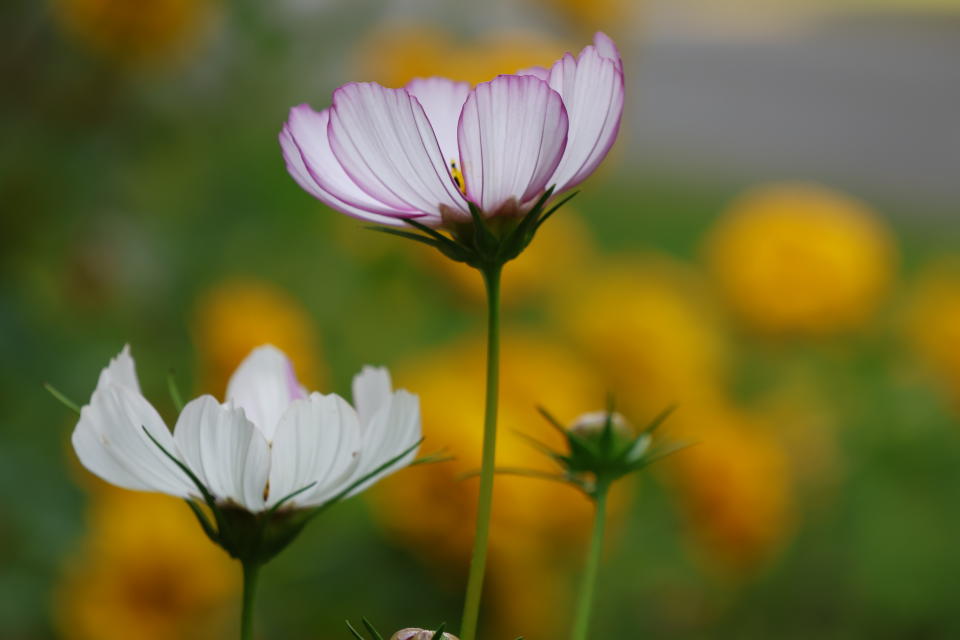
x: 434, y: 148
x: 271, y: 444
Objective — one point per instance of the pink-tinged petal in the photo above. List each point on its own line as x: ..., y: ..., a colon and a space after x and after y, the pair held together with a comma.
x: 110, y: 441
x: 442, y: 100
x: 593, y: 92
x: 317, y: 443
x: 264, y: 385
x: 386, y: 144
x: 512, y: 134
x: 310, y: 161
x: 226, y: 452
x: 606, y: 47
x: 537, y: 72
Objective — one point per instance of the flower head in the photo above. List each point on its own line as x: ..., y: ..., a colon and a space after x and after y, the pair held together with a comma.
x: 933, y: 321
x: 421, y: 634
x: 271, y: 450
x: 156, y: 32
x: 435, y: 149
x: 802, y: 260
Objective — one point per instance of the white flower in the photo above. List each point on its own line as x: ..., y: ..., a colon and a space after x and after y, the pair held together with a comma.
x: 270, y: 439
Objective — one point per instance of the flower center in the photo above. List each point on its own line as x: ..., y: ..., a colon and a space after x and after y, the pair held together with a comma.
x: 457, y: 176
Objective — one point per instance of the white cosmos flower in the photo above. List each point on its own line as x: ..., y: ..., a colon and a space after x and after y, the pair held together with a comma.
x: 271, y: 437
x: 426, y: 150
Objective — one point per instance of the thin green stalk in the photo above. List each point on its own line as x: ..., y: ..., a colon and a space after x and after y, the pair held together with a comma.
x: 587, y: 591
x: 478, y: 561
x: 251, y: 571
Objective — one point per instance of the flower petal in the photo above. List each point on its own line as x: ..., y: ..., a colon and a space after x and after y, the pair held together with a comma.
x: 225, y: 451
x: 593, y: 92
x: 537, y: 72
x: 512, y: 133
x: 442, y: 100
x: 394, y: 428
x: 110, y: 441
x: 385, y: 143
x: 607, y: 48
x: 317, y: 442
x: 309, y: 159
x: 263, y: 386
x: 120, y: 371
x: 372, y: 390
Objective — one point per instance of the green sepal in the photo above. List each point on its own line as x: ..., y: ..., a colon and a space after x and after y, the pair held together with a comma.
x: 62, y: 398
x: 356, y: 634
x: 484, y: 243
x: 660, y: 419
x: 203, y: 520
x: 553, y: 210
x: 371, y: 629
x: 433, y: 458
x: 594, y: 461
x: 409, y: 235
x: 174, y: 390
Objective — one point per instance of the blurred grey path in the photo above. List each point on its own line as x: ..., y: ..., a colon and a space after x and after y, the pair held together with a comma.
x: 868, y: 103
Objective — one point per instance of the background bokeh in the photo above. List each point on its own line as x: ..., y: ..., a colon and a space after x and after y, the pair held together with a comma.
x: 772, y: 245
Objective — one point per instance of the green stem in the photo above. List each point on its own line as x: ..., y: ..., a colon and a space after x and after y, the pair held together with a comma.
x: 251, y: 571
x: 478, y: 561
x: 585, y: 605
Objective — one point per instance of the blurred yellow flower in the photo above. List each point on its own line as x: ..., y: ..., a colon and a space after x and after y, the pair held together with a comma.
x: 533, y: 521
x: 146, y: 31
x: 238, y: 315
x: 590, y: 15
x: 561, y: 249
x: 396, y: 54
x: 145, y: 572
x: 734, y: 486
x: 646, y: 325
x: 934, y: 320
x: 800, y: 259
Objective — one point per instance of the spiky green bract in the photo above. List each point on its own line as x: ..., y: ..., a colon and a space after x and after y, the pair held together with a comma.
x: 597, y: 458
x: 484, y: 243
x: 62, y: 398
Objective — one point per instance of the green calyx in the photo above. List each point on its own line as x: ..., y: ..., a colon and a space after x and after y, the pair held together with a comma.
x: 599, y: 454
x: 484, y: 243
x: 253, y: 537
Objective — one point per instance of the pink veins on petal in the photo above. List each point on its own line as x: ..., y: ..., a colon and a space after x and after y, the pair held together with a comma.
x: 427, y: 150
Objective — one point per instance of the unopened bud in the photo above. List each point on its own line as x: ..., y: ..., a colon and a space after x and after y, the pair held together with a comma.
x: 592, y: 424
x: 419, y: 634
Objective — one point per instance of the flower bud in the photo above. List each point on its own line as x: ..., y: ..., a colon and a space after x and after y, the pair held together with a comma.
x: 419, y: 634
x: 592, y: 424
x: 602, y: 447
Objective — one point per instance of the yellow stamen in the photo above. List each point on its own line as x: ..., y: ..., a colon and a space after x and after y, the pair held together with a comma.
x: 457, y: 176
